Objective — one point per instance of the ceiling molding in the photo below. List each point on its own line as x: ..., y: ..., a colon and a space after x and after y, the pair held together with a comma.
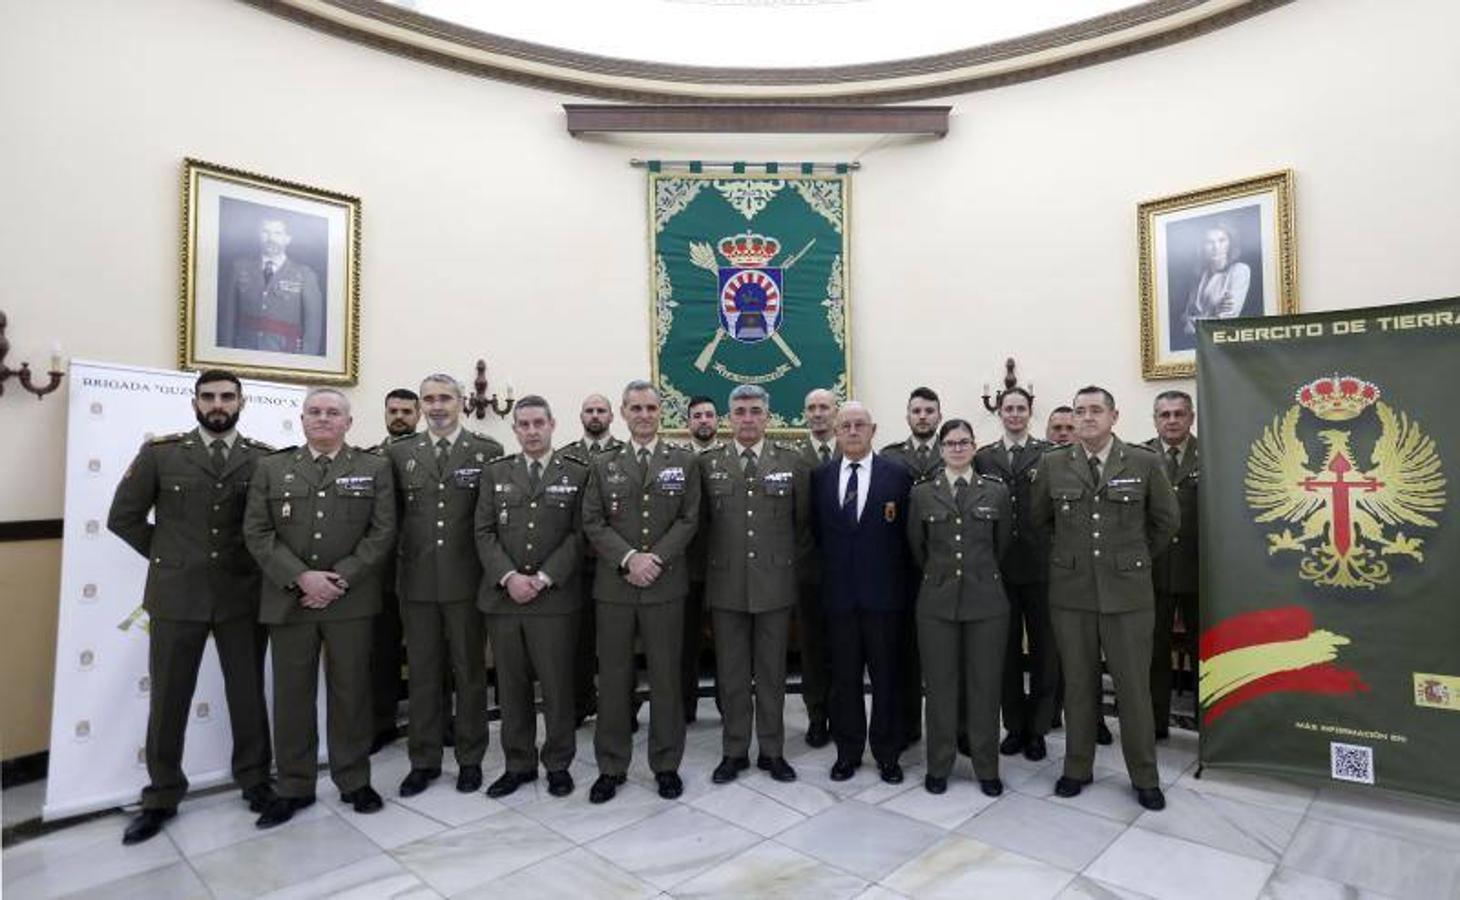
x: 1146, y: 26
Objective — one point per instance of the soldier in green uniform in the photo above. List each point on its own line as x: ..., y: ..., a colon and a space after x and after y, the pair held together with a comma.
x: 1013, y: 459
x: 641, y: 511
x: 959, y: 526
x: 1107, y: 510
x: 704, y: 423
x: 758, y: 495
x: 817, y: 448
x: 437, y: 475
x: 199, y: 582
x: 1175, y: 572
x: 402, y: 414
x: 920, y: 455
x: 529, y: 538
x: 321, y: 523
x: 596, y: 416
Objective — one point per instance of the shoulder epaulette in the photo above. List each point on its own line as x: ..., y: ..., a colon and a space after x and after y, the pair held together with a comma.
x: 283, y: 450
x: 168, y: 438
x: 398, y: 438
x: 504, y: 456
x: 1056, y: 448
x: 375, y: 450
x: 573, y: 459
x: 931, y: 476
x: 256, y: 444
x: 786, y: 445
x: 987, y: 476
x: 1144, y: 449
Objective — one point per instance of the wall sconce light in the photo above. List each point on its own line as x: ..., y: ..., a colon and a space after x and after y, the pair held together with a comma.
x: 478, y: 403
x: 991, y: 401
x: 56, y: 373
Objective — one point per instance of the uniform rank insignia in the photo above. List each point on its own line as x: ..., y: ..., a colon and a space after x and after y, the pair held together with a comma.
x: 671, y: 480
x: 286, y: 511
x: 355, y: 485
x: 562, y: 489
x: 889, y: 510
x: 467, y: 477
x: 410, y: 465
x: 1122, y: 482
x: 288, y: 476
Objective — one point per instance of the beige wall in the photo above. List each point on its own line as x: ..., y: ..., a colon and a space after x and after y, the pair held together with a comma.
x: 488, y: 231
x: 30, y: 578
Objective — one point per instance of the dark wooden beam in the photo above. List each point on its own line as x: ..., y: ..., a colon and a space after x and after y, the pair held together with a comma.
x: 756, y: 119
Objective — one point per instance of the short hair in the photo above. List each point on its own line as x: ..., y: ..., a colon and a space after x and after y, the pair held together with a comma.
x: 954, y: 425
x: 208, y: 375
x: 1062, y: 409
x: 750, y: 392
x: 853, y: 406
x: 441, y: 378
x: 924, y: 393
x: 315, y: 391
x: 1028, y: 397
x: 532, y: 401
x: 639, y: 384
x: 1173, y: 395
x: 405, y: 394
x: 701, y: 400
x: 1097, y: 389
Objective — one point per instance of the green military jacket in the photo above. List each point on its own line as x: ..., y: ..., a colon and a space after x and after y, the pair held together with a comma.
x: 1103, y: 536
x: 198, y: 569
x: 1025, y: 563
x: 436, y: 511
x: 657, y: 511
x: 906, y: 453
x: 519, y: 529
x: 958, y: 544
x: 807, y: 447
x: 694, y: 557
x: 759, y: 531
x: 299, y: 519
x: 582, y: 448
x: 1177, y: 571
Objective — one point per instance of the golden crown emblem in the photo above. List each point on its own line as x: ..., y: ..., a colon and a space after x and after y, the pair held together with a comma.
x: 1338, y: 398
x: 749, y: 251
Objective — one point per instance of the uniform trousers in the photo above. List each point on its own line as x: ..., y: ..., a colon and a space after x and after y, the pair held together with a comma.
x: 751, y: 647
x: 962, y: 667
x: 1126, y: 637
x: 815, y: 666
x: 440, y: 635
x: 296, y: 654
x: 385, y: 663
x: 1166, y: 606
x: 174, y: 654
x: 660, y: 629
x: 1030, y: 714
x: 522, y: 645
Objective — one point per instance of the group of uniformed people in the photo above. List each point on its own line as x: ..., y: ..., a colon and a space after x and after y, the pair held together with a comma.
x: 926, y: 568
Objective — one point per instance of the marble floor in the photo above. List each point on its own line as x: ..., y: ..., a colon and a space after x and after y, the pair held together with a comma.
x: 1222, y: 836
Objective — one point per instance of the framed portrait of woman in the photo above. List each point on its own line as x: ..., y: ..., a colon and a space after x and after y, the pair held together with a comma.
x: 1220, y: 252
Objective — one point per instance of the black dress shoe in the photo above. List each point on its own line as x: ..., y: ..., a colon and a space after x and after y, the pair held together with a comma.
x: 670, y: 787
x: 1151, y: 798
x: 817, y: 735
x: 384, y: 738
x: 258, y: 797
x: 1012, y: 744
x: 510, y: 781
x: 1103, y: 737
x: 469, y: 779
x: 147, y: 825
x: 844, y: 769
x: 778, y: 767
x: 992, y: 787
x: 363, y: 799
x: 729, y: 768
x: 964, y: 746
x: 935, y: 785
x: 1035, y: 749
x: 560, y: 784
x: 890, y: 772
x: 1070, y: 787
x: 604, y: 788
x: 417, y: 780
x: 282, y: 810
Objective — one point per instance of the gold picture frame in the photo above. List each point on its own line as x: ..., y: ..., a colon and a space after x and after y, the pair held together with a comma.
x: 1223, y: 251
x: 270, y: 277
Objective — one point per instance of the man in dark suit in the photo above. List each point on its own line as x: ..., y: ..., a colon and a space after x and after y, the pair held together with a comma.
x: 200, y: 582
x: 272, y: 302
x: 818, y: 447
x: 1175, y: 572
x: 1013, y: 459
x: 859, y: 502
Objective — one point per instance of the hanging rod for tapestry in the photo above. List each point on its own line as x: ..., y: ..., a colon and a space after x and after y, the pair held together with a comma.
x: 740, y: 167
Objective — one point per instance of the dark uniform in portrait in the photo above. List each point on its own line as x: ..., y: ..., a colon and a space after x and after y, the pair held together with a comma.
x: 647, y: 505
x: 278, y: 310
x: 585, y: 657
x: 200, y: 582
x: 957, y: 534
x: 1027, y: 715
x: 530, y: 522
x: 1105, y: 524
x: 438, y: 575
x: 1176, y: 575
x: 759, y: 530
x: 308, y: 513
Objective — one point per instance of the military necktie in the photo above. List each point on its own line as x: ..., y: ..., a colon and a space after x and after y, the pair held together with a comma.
x: 1014, y: 456
x: 644, y: 463
x: 748, y: 467
x: 1173, y: 462
x: 219, y: 455
x: 849, y: 499
x: 1095, y: 469
x: 324, y: 466
x: 959, y: 487
x: 268, y: 272
x: 534, y: 475
x: 922, y: 455
x: 825, y: 452
x: 594, y: 448
x: 443, y: 447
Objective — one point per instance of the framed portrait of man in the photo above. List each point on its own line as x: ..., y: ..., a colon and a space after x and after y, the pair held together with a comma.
x: 1220, y: 252
x: 271, y: 277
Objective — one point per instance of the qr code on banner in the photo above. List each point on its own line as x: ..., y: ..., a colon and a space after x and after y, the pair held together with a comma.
x: 1350, y: 762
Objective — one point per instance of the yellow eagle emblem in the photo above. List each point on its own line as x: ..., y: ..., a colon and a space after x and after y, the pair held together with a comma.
x: 1350, y: 516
